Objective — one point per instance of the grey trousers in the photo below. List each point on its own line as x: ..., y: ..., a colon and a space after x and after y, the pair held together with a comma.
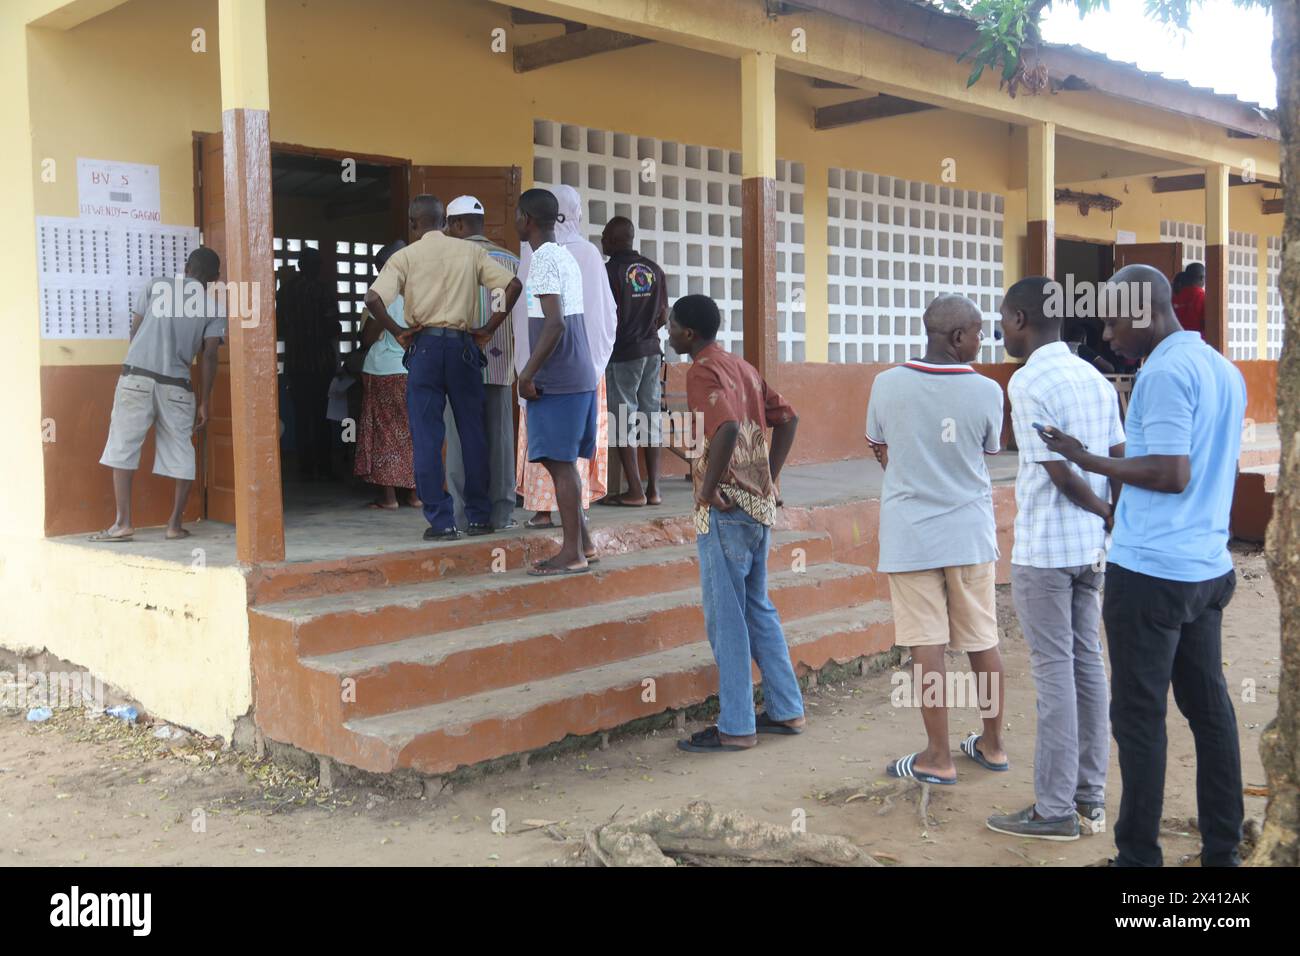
x: 1060, y: 615
x: 500, y: 430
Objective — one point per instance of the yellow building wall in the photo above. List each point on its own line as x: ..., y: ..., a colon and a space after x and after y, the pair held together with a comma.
x: 173, y: 637
x: 340, y: 87
x: 408, y: 78
x: 337, y: 85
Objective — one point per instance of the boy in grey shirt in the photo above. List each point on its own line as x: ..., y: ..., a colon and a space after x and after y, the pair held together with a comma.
x: 930, y: 422
x: 173, y: 319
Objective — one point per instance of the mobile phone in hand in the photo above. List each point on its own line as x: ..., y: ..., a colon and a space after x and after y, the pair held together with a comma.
x: 1043, y: 430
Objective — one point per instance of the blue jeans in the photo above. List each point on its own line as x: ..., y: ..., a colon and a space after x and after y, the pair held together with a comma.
x: 742, y: 623
x: 438, y: 374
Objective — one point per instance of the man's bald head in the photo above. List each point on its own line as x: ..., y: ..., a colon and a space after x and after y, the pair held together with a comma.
x: 618, y: 235
x: 949, y: 313
x: 1137, y: 311
x: 1158, y: 294
x: 952, y: 328
x: 427, y: 213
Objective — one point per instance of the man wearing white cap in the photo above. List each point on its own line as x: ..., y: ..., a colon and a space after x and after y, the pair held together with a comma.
x: 465, y: 221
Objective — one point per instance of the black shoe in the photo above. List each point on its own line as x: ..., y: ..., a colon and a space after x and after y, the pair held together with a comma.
x: 432, y: 534
x: 477, y: 529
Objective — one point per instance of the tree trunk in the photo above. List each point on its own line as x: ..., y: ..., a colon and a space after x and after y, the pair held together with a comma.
x: 1279, y: 843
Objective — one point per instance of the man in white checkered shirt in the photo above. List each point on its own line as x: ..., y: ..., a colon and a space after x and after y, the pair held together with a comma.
x: 1062, y: 517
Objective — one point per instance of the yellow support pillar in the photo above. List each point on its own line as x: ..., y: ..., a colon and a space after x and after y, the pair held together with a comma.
x: 758, y: 209
x: 1041, y: 201
x: 249, y: 262
x: 816, y: 308
x: 1261, y: 297
x: 22, y: 506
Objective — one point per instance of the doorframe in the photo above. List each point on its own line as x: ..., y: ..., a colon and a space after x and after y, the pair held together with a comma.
x: 1089, y: 240
x: 400, y: 180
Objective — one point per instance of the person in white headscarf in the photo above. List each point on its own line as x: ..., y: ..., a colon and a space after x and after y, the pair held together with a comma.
x: 601, y: 314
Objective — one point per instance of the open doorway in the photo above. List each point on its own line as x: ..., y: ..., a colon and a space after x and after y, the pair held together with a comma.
x: 1087, y: 261
x: 332, y: 212
x: 346, y: 206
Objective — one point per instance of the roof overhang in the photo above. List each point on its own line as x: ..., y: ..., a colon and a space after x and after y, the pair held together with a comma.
x: 1069, y: 68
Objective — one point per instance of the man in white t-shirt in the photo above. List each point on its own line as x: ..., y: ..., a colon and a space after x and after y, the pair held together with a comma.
x: 559, y: 381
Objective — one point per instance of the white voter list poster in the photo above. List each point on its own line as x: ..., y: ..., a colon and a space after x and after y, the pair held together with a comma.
x: 122, y: 192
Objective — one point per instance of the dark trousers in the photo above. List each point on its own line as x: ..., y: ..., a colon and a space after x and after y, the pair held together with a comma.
x: 442, y: 369
x: 312, y: 434
x: 1163, y: 632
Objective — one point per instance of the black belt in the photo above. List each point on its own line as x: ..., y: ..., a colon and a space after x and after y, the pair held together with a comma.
x: 440, y: 330
x: 160, y: 379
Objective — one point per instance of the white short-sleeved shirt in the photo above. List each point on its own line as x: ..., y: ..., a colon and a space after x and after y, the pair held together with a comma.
x: 936, y: 506
x: 1058, y: 389
x: 568, y: 369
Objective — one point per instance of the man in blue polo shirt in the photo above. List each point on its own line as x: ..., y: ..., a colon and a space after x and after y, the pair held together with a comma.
x: 1170, y: 574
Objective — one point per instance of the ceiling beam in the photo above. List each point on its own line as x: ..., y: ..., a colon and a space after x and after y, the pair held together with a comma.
x: 862, y: 111
x: 820, y: 84
x: 572, y: 46
x: 66, y: 14
x: 525, y: 18
x: 1192, y: 181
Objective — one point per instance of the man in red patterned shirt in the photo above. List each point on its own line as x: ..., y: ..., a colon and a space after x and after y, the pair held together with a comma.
x: 735, y: 478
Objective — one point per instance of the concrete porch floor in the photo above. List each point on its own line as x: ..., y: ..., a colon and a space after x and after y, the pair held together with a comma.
x: 330, y: 521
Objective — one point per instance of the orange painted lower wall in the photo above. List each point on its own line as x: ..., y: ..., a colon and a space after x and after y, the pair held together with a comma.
x: 78, y: 401
x: 1261, y: 389
x: 831, y: 400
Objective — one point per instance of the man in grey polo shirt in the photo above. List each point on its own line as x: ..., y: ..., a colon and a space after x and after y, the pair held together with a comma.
x: 172, y: 320
x: 930, y: 422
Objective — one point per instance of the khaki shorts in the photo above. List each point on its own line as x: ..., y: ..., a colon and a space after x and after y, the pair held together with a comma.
x: 139, y: 402
x: 956, y: 606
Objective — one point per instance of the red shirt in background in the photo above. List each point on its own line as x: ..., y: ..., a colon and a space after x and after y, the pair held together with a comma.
x: 1189, y: 306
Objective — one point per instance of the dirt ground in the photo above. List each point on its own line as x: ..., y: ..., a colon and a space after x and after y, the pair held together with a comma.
x: 80, y: 790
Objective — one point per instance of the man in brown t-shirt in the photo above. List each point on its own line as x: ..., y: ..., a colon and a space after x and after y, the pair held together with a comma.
x: 735, y: 504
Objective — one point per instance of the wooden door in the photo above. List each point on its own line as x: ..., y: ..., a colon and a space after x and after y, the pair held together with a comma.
x: 496, y: 187
x: 1165, y: 256
x: 218, y: 448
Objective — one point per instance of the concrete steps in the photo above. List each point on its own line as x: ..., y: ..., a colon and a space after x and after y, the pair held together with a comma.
x: 431, y: 674
x: 442, y: 737
x: 334, y: 622
x: 437, y: 667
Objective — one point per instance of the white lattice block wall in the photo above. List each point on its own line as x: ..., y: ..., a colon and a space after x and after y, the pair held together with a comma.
x: 1242, y: 339
x: 894, y: 244
x: 1190, y: 234
x: 685, y: 201
x: 1276, y: 318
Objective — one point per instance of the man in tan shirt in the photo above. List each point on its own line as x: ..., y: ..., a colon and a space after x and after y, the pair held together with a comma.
x: 438, y: 278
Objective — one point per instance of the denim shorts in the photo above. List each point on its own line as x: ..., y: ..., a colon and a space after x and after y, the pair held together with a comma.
x: 562, y: 427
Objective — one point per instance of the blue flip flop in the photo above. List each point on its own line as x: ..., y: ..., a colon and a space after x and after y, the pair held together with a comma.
x: 903, y: 769
x: 968, y: 748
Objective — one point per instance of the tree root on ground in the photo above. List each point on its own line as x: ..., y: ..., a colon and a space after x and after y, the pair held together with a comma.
x: 702, y: 835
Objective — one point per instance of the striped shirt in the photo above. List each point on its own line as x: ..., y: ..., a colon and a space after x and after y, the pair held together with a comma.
x: 1058, y: 389
x: 500, y: 352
